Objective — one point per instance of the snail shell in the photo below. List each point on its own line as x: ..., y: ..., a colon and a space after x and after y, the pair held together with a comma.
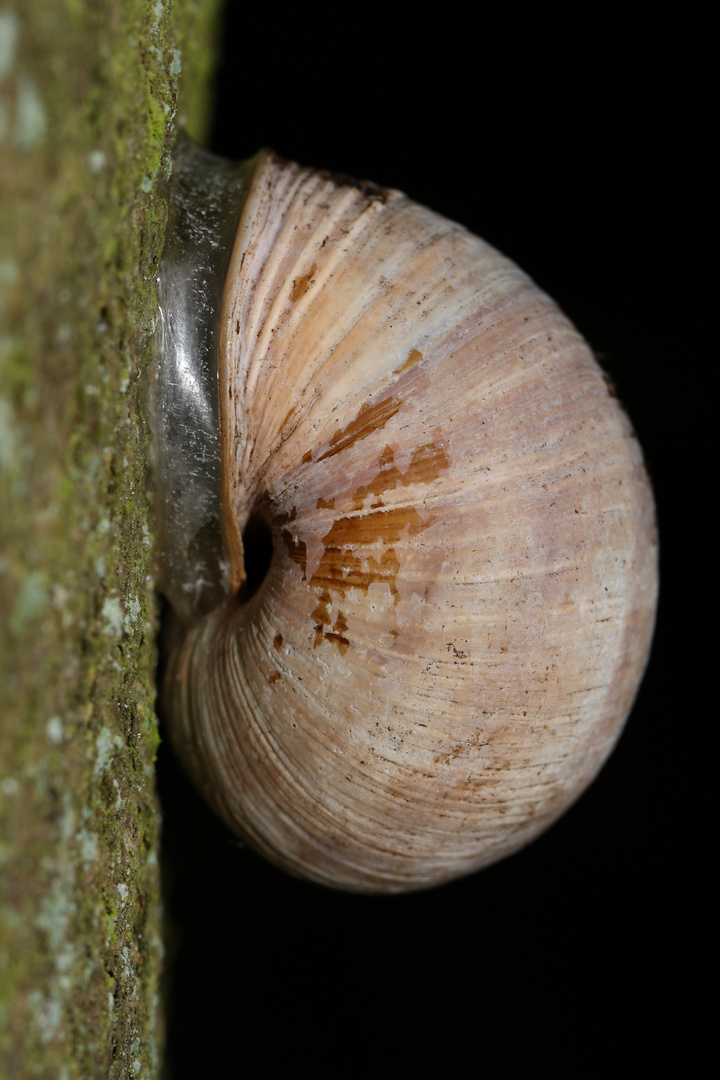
x: 460, y: 598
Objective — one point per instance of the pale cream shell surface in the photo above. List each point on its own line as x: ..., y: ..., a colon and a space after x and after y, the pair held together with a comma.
x: 462, y: 591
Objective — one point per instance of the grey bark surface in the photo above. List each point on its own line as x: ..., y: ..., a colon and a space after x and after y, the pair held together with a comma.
x: 91, y: 95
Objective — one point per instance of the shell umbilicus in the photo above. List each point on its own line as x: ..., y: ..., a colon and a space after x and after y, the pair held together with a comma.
x: 459, y: 603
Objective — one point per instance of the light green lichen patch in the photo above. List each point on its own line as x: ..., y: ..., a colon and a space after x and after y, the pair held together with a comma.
x: 9, y: 31
x: 8, y: 435
x: 89, y: 94
x: 88, y: 847
x: 112, y: 615
x: 9, y: 274
x: 31, y: 118
x: 31, y: 599
x: 54, y: 730
x: 106, y: 745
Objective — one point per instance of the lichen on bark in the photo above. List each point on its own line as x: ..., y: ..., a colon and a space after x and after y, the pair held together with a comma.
x: 90, y: 97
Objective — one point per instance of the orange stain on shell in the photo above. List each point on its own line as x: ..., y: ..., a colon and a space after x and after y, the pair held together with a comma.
x: 414, y: 358
x: 385, y: 526
x: 341, y: 571
x: 302, y: 284
x: 370, y: 418
x: 426, y: 464
x: 296, y: 549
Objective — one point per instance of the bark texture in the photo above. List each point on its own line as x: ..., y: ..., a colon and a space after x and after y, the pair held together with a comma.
x: 91, y: 92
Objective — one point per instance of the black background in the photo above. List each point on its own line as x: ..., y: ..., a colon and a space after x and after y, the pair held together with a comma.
x: 575, y: 152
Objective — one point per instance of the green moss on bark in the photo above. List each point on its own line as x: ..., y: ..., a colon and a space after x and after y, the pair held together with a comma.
x: 90, y: 94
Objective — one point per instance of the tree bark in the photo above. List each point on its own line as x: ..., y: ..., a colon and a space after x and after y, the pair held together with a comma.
x: 91, y: 95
